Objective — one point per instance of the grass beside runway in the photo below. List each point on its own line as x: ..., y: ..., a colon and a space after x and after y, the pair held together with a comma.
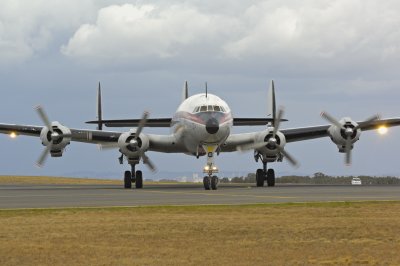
x: 365, y: 233
x: 50, y: 180
x: 54, y: 180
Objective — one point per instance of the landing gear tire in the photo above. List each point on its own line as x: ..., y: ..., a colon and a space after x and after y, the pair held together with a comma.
x: 127, y: 179
x: 214, y: 182
x: 207, y: 182
x: 260, y: 177
x: 271, y: 177
x: 139, y: 179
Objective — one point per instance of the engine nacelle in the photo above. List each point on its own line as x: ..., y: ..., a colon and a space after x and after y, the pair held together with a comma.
x: 133, y: 148
x: 57, y: 140
x: 338, y: 135
x: 270, y: 152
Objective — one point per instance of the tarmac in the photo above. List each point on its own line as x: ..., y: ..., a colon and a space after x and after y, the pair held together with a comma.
x: 61, y: 196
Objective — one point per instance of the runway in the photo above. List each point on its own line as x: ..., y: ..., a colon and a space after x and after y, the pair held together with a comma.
x: 59, y: 196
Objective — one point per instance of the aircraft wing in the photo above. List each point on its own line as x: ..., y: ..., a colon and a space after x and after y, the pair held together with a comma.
x: 160, y: 143
x: 80, y: 135
x: 302, y: 133
x: 151, y: 122
x: 306, y: 133
x: 166, y: 122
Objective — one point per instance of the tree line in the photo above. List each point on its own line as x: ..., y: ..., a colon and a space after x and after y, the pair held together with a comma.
x: 318, y: 178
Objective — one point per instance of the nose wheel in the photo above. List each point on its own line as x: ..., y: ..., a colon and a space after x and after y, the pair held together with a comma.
x: 210, y: 182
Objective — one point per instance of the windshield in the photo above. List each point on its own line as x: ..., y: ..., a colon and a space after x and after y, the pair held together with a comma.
x: 209, y: 108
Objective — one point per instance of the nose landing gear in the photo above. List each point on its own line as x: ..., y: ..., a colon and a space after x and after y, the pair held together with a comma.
x: 210, y: 181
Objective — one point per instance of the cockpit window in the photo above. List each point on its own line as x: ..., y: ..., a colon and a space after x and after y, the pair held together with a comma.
x: 209, y: 108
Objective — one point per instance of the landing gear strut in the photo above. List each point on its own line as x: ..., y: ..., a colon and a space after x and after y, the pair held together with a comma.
x: 210, y: 181
x: 133, y: 177
x: 265, y: 175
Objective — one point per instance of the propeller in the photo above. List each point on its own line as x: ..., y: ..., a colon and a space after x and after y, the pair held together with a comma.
x: 133, y: 143
x: 348, y: 132
x: 272, y: 141
x: 53, y: 136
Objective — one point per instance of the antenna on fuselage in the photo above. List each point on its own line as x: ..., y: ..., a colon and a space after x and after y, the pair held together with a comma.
x: 206, y: 89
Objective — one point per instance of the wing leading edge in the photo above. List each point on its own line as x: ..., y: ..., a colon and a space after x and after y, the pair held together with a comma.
x: 166, y: 122
x: 302, y: 133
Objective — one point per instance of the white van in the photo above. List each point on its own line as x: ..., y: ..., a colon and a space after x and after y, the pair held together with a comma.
x: 356, y: 181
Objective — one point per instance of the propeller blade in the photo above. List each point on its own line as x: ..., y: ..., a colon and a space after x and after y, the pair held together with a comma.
x: 43, y: 156
x: 277, y: 121
x: 44, y: 117
x: 348, y: 151
x: 142, y: 123
x: 290, y: 158
x: 149, y: 163
x: 369, y: 120
x: 331, y: 119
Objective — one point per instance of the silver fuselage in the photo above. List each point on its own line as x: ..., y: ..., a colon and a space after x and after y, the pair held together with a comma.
x: 201, y: 121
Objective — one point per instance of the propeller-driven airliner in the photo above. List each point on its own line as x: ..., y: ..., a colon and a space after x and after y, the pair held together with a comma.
x: 201, y: 127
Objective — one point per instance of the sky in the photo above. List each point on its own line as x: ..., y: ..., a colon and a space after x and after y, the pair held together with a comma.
x: 340, y: 56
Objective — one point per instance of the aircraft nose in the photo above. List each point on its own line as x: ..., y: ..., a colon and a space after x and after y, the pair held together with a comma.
x: 212, y: 126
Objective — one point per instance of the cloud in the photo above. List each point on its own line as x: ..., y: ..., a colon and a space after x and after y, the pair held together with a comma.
x: 323, y: 36
x: 321, y: 29
x: 126, y: 32
x: 29, y: 27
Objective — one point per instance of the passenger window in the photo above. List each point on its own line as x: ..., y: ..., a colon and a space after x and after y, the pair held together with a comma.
x: 203, y: 108
x: 216, y: 108
x: 210, y: 108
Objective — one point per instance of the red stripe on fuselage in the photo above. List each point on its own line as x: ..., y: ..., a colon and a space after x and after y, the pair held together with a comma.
x: 202, y: 118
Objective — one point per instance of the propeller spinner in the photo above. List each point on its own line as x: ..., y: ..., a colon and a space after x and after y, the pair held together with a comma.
x: 53, y: 138
x: 133, y: 143
x: 272, y: 142
x: 349, y: 132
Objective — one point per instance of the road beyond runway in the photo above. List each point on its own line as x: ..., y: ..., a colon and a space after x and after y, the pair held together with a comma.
x: 60, y: 196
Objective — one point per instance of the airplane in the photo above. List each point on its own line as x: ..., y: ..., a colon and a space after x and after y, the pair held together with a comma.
x: 201, y: 127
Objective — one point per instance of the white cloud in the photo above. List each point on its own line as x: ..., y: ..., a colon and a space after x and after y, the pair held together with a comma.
x: 312, y: 35
x: 320, y: 29
x: 29, y: 27
x: 123, y: 32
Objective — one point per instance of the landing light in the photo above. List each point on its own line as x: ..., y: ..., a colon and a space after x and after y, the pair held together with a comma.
x: 13, y: 135
x: 382, y: 130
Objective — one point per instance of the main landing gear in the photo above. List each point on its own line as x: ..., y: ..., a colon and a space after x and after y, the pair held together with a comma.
x: 210, y: 181
x: 133, y: 177
x: 265, y: 175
